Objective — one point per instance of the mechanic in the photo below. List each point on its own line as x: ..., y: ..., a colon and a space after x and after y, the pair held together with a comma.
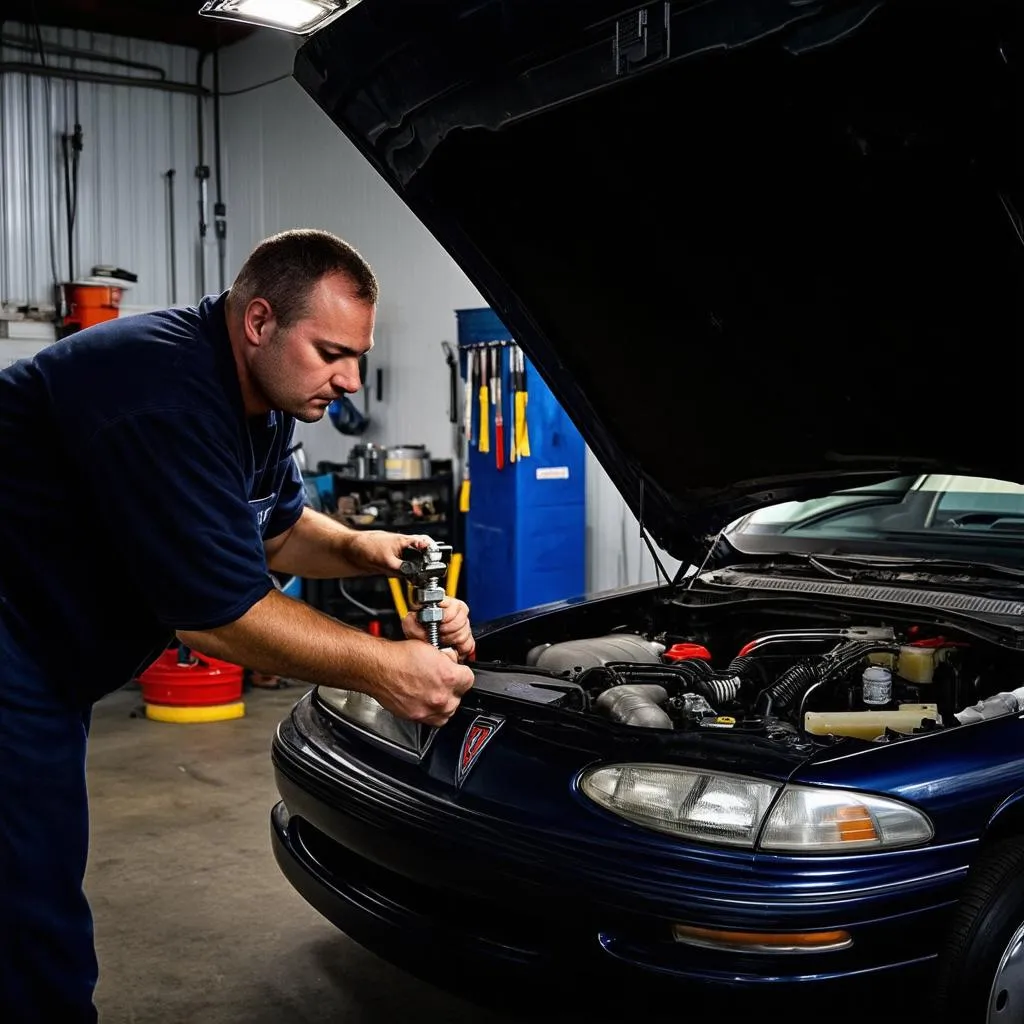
x: 147, y: 490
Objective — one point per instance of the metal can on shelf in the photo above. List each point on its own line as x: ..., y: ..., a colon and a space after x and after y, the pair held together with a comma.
x: 366, y: 460
x: 406, y: 462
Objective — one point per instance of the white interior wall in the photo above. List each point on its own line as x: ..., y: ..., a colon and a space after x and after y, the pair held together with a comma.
x: 616, y: 554
x: 132, y: 137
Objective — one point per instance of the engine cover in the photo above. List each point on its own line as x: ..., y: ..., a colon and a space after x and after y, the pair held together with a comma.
x: 576, y: 655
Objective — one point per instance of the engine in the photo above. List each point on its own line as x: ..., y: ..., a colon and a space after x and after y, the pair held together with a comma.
x: 871, y: 682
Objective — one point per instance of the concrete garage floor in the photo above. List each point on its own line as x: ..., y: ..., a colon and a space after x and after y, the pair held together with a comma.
x: 194, y: 920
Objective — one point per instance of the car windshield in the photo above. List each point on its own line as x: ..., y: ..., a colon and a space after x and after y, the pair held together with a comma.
x: 960, y: 517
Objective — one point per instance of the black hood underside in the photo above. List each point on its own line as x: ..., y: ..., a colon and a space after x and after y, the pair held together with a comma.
x: 758, y: 250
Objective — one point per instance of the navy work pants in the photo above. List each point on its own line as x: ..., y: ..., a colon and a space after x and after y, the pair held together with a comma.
x: 48, y: 966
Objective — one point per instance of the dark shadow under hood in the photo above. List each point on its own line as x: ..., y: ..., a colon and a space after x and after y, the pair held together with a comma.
x: 758, y: 250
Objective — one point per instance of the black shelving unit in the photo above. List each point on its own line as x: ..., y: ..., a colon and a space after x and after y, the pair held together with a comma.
x: 360, y: 600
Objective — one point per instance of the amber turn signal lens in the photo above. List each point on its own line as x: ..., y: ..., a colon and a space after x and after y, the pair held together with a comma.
x: 855, y: 825
x: 762, y: 942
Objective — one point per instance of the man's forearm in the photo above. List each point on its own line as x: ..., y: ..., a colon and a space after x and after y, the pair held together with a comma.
x: 283, y: 637
x: 315, y: 548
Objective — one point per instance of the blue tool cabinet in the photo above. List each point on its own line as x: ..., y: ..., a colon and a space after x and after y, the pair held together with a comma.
x: 525, y: 532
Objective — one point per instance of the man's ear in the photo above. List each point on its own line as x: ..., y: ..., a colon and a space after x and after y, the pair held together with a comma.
x: 258, y: 321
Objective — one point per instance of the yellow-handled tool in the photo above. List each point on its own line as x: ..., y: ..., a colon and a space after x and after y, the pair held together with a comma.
x: 484, y: 444
x: 401, y: 607
x: 521, y: 429
x: 467, y: 428
x: 451, y: 586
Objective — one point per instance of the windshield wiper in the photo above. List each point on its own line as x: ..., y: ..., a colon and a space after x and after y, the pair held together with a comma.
x: 1012, y: 521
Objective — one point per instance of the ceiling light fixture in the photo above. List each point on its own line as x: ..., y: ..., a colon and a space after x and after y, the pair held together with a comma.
x: 302, y: 17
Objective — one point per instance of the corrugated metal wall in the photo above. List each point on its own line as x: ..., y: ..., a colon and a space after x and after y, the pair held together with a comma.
x: 132, y: 137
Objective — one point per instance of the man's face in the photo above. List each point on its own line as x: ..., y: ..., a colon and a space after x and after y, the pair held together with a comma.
x: 301, y: 369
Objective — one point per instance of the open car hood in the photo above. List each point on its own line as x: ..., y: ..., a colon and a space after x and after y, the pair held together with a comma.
x: 757, y: 250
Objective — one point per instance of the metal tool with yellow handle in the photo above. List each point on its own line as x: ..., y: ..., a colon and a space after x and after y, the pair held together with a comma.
x: 484, y: 444
x: 522, y: 433
x: 467, y: 428
x: 401, y: 607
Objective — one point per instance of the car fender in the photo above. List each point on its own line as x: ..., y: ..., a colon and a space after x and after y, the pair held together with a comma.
x: 1007, y: 820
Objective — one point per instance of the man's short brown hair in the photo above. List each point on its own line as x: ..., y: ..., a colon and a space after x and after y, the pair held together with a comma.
x: 285, y: 267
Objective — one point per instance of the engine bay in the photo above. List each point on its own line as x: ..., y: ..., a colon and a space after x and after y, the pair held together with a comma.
x: 875, y: 681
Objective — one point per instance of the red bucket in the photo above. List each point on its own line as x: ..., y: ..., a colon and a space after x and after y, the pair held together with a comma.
x: 206, y: 682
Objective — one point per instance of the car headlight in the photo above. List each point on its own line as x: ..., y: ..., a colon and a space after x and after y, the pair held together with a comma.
x: 683, y: 801
x: 363, y: 711
x: 807, y: 819
x: 730, y: 810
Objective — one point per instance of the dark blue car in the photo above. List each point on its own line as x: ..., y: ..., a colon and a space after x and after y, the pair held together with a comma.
x: 769, y: 258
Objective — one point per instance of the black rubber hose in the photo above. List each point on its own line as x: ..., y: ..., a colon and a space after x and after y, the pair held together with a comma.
x: 742, y: 667
x: 798, y: 679
x: 695, y: 676
x: 793, y: 682
x: 690, y: 684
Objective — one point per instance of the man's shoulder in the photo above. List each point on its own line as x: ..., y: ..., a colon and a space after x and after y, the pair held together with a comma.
x: 161, y: 335
x: 164, y: 359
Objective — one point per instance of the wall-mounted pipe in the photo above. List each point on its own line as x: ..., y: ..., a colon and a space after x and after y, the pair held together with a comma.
x: 172, y: 237
x: 101, y: 78
x: 59, y: 50
x: 202, y: 172
x: 220, y: 212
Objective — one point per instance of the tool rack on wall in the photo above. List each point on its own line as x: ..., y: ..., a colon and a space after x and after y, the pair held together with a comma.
x: 524, y: 503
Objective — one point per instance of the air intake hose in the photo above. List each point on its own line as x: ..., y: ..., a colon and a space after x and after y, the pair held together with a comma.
x: 693, y: 676
x: 794, y: 682
x: 636, y: 704
x: 718, y: 687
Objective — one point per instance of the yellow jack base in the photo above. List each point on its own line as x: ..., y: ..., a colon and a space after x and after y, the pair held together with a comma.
x: 195, y: 713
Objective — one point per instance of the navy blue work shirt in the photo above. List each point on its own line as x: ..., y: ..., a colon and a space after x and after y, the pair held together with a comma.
x: 135, y: 495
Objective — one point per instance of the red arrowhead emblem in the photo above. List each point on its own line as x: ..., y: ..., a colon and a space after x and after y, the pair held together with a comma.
x: 478, y: 735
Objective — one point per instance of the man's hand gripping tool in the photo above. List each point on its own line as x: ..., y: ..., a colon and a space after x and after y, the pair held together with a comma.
x: 426, y: 570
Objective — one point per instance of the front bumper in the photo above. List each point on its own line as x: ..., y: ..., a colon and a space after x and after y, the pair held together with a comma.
x: 408, y: 872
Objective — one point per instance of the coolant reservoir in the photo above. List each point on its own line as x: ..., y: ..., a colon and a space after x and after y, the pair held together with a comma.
x: 866, y: 725
x: 916, y: 664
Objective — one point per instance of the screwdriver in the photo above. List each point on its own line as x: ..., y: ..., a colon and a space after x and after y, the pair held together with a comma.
x: 467, y: 428
x: 484, y: 444
x: 521, y: 427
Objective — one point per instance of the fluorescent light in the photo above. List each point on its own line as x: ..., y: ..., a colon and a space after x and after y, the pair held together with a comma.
x: 301, y: 16
x: 294, y: 14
